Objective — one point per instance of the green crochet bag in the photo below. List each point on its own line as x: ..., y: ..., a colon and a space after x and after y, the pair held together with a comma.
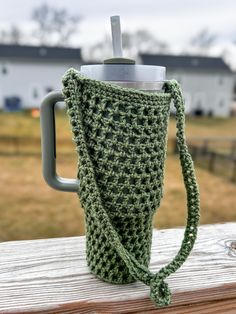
x: 120, y: 136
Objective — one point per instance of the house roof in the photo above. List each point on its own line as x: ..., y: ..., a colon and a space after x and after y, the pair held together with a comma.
x: 185, y: 62
x: 40, y: 53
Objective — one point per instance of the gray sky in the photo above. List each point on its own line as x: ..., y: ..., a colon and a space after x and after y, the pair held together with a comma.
x: 170, y: 20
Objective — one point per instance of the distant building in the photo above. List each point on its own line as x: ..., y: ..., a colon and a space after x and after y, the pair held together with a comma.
x: 207, y: 82
x: 28, y: 73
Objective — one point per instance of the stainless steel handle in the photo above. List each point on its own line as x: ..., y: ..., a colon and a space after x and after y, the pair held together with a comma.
x: 48, y: 145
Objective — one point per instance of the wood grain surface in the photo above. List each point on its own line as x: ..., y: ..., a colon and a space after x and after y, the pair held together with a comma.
x: 51, y: 276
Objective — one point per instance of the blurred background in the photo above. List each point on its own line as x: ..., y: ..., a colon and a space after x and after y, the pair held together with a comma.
x: 39, y: 41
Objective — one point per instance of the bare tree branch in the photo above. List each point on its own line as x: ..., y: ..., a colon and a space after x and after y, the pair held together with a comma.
x: 13, y: 35
x: 54, y: 26
x: 204, y: 39
x: 133, y: 43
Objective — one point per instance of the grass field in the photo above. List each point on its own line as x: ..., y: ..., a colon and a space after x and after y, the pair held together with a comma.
x: 30, y: 209
x: 23, y: 125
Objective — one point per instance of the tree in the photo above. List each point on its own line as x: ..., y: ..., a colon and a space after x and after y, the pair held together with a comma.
x: 3, y: 36
x: 146, y: 42
x: 133, y: 43
x: 13, y: 35
x: 54, y: 26
x: 127, y: 40
x: 203, y: 39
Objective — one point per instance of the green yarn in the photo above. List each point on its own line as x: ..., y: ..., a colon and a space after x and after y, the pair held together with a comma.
x: 120, y: 136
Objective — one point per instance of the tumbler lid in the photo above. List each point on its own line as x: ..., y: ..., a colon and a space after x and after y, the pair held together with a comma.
x: 119, y: 69
x: 124, y: 72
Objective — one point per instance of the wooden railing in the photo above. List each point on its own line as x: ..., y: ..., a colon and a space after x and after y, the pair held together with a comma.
x: 51, y: 276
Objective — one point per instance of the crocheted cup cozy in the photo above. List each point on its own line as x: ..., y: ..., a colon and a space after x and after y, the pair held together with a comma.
x: 120, y: 136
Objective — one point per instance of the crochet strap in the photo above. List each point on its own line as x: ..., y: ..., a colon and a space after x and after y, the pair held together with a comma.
x: 159, y: 290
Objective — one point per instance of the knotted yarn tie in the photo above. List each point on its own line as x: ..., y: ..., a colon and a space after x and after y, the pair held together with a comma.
x: 160, y: 293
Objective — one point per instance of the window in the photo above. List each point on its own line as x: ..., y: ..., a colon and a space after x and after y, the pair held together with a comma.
x: 195, y: 62
x: 35, y: 93
x: 199, y: 107
x: 4, y: 70
x: 221, y: 103
x: 42, y: 52
x: 221, y: 80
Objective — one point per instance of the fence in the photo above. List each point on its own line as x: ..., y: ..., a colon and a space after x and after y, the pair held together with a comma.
x: 217, y: 155
x: 31, y: 146
x: 222, y: 145
x: 14, y: 146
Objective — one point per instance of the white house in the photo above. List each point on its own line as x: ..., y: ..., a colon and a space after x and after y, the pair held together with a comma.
x: 28, y: 73
x: 207, y: 82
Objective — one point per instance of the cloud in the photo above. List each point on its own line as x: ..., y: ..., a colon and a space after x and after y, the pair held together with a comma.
x: 170, y: 20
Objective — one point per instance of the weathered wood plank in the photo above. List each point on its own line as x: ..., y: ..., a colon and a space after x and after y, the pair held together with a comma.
x: 51, y: 276
x: 217, y: 307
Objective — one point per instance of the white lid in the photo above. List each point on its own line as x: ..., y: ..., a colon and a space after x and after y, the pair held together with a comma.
x: 124, y: 72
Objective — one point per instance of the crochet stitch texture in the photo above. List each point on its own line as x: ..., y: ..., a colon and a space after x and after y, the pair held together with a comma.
x: 120, y: 136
